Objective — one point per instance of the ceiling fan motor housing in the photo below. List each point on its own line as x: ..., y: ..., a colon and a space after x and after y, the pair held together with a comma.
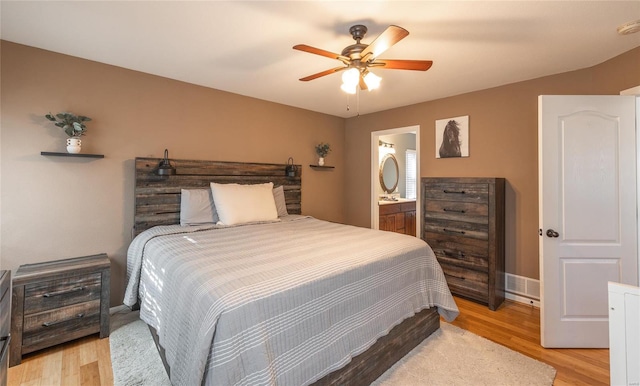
x: 358, y: 31
x: 353, y: 51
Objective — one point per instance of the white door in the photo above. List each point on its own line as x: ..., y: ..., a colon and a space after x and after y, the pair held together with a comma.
x: 587, y: 193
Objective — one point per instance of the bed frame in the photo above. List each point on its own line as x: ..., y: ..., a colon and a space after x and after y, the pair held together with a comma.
x: 157, y: 202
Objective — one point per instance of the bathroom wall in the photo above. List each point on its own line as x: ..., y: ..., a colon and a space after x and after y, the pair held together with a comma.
x: 401, y: 142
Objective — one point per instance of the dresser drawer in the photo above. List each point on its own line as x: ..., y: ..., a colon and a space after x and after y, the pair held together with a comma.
x: 458, y: 211
x: 457, y: 228
x: 462, y: 251
x: 53, y: 294
x: 47, y: 328
x: 466, y: 282
x: 443, y: 191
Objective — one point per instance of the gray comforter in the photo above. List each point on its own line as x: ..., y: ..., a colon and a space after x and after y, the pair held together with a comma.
x: 278, y: 303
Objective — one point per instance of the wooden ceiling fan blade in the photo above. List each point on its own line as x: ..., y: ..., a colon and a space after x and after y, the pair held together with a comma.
x: 323, y: 73
x: 389, y: 37
x: 321, y: 52
x: 395, y: 64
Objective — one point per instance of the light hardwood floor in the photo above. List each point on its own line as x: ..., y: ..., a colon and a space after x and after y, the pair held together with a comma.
x: 87, y: 361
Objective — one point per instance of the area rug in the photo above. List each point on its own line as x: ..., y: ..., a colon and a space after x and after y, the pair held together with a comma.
x: 450, y: 356
x: 134, y: 357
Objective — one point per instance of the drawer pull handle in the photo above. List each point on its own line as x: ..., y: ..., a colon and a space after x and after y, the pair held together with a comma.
x: 57, y: 293
x: 458, y: 255
x: 454, y: 191
x: 452, y: 231
x: 457, y: 277
x: 454, y: 210
x: 49, y: 324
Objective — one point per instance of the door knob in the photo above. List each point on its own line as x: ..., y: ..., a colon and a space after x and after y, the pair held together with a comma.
x: 552, y: 233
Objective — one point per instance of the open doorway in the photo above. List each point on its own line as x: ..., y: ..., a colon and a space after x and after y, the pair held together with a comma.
x: 395, y: 151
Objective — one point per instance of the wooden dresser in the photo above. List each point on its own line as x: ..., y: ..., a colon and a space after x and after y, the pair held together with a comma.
x: 5, y: 308
x: 463, y: 222
x: 58, y: 301
x: 398, y: 217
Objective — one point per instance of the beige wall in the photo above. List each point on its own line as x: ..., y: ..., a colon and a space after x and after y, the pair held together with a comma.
x: 503, y: 143
x: 54, y: 207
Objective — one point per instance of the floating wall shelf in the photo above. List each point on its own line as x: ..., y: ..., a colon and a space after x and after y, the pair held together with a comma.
x: 55, y: 154
x: 322, y: 167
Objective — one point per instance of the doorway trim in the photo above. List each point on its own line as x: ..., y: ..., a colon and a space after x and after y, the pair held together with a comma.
x: 375, y: 136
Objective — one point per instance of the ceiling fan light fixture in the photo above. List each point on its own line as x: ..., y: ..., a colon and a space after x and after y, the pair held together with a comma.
x: 371, y: 80
x: 351, y: 77
x: 349, y: 89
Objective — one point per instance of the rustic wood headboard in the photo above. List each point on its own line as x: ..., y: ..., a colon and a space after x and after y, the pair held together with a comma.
x: 157, y: 198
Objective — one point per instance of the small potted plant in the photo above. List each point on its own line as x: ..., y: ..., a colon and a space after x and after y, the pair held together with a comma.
x: 322, y: 149
x: 73, y: 125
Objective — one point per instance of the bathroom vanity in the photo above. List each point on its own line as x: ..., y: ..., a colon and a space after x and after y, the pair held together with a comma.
x: 398, y: 216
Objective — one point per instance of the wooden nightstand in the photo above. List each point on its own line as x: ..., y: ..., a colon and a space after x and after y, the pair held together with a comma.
x: 5, y: 338
x: 58, y: 301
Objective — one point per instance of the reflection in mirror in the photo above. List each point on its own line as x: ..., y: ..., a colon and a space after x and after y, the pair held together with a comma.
x: 389, y: 173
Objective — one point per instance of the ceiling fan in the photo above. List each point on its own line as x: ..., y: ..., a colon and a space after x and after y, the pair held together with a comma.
x: 358, y: 58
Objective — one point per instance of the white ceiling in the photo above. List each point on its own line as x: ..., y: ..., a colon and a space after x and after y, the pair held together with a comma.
x: 245, y: 47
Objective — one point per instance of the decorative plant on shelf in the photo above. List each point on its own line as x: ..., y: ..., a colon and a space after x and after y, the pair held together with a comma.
x: 72, y: 124
x: 322, y: 149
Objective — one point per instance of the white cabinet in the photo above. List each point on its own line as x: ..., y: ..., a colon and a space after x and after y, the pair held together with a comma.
x: 624, y: 334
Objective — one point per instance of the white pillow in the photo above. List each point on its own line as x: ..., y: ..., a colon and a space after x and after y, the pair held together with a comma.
x: 196, y: 207
x: 281, y: 203
x: 239, y: 204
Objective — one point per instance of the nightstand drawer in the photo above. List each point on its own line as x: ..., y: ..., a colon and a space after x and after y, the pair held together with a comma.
x: 47, y: 328
x: 5, y: 303
x: 53, y: 294
x: 5, y: 311
x: 4, y: 359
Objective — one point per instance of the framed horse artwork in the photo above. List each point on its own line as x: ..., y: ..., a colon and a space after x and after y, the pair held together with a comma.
x: 452, y: 137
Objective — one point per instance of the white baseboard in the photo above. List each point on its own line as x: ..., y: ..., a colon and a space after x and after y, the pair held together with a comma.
x: 522, y: 289
x: 522, y: 299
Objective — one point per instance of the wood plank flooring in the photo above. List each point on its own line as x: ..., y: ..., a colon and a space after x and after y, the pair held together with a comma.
x: 87, y: 361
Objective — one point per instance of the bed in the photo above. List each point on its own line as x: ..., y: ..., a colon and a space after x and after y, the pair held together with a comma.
x: 291, y: 301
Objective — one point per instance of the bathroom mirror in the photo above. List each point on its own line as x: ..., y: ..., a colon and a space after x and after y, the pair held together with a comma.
x: 389, y: 173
